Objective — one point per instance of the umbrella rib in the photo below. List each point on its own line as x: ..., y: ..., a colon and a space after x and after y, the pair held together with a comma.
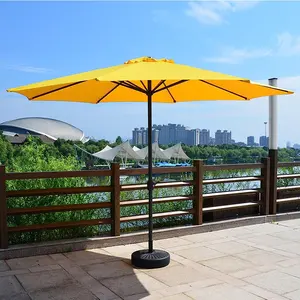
x: 136, y: 86
x: 158, y: 85
x: 228, y: 91
x: 170, y: 85
x: 170, y: 93
x: 129, y: 86
x: 110, y: 91
x: 143, y: 85
x: 56, y: 90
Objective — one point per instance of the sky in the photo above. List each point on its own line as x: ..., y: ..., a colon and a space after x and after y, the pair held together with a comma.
x: 255, y: 39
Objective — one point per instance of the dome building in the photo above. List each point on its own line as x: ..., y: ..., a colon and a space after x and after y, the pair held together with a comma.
x: 48, y: 130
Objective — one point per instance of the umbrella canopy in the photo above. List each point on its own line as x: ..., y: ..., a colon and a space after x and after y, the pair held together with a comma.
x: 128, y: 83
x: 147, y: 80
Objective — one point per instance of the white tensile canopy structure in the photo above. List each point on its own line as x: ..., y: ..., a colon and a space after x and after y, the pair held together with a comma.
x: 157, y: 153
x: 123, y: 151
x: 176, y: 152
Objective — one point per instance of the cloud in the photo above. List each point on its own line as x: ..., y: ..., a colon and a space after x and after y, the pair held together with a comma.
x: 287, y: 45
x: 214, y: 12
x: 29, y: 69
x: 235, y: 55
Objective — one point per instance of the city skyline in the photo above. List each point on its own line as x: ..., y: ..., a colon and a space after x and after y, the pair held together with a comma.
x: 173, y: 133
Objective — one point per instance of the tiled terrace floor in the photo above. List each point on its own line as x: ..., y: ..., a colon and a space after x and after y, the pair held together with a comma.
x: 245, y: 263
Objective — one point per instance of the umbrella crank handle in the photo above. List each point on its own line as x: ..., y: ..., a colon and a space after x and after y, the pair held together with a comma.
x: 150, y: 185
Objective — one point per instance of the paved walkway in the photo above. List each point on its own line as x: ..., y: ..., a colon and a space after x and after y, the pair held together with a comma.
x: 249, y: 263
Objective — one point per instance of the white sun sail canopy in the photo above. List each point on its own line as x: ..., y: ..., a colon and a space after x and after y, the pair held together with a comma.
x: 157, y: 153
x: 176, y: 152
x: 123, y: 151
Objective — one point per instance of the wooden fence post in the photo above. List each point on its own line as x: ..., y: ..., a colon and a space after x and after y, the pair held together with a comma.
x: 265, y: 186
x: 198, y: 192
x: 115, y: 199
x: 273, y: 155
x: 3, y: 210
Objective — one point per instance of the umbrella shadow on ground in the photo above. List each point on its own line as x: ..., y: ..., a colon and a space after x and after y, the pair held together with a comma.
x: 88, y: 275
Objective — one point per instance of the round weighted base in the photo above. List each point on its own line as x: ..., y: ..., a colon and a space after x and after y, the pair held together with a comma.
x: 150, y: 260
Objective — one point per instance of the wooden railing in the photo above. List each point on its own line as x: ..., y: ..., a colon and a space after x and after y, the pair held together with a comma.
x: 206, y: 206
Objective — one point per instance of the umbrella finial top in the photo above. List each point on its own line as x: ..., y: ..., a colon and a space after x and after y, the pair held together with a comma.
x: 148, y: 59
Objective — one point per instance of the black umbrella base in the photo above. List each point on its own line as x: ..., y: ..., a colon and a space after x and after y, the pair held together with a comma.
x: 150, y: 260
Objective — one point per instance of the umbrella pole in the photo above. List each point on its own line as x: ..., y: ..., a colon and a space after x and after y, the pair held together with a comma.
x: 150, y: 178
x: 150, y: 258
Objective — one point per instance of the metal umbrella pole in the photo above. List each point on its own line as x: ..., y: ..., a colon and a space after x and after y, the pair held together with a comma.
x: 150, y: 258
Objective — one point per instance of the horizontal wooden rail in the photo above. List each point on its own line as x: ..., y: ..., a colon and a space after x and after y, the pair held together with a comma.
x: 287, y: 200
x: 58, y: 191
x: 156, y: 200
x: 157, y: 215
x: 231, y: 193
x: 230, y: 207
x: 61, y: 174
x: 233, y: 167
x: 285, y: 188
x: 160, y: 185
x: 59, y: 225
x: 157, y: 171
x: 56, y: 208
x: 287, y: 176
x: 232, y: 180
x: 288, y: 164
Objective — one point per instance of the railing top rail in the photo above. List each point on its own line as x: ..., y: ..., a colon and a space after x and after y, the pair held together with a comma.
x: 157, y: 170
x: 57, y: 174
x: 288, y: 164
x: 233, y: 167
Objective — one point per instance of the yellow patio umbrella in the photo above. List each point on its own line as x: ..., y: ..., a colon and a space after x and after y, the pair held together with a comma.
x: 148, y: 80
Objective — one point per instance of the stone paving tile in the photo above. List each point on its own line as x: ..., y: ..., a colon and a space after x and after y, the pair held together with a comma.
x: 200, y: 253
x: 123, y: 251
x: 129, y: 285
x: 228, y: 264
x: 230, y: 247
x: 201, y: 237
x: 30, y: 262
x: 292, y: 270
x: 289, y: 235
x: 292, y: 247
x: 295, y: 295
x: 110, y: 269
x: 170, y: 276
x: 72, y: 292
x: 3, y: 266
x: 275, y: 281
x: 221, y: 292
x: 14, y: 272
x: 90, y: 256
x: 10, y: 288
x: 268, y: 228
x: 233, y: 232
x: 45, y: 268
x: 85, y: 279
x: 168, y: 243
x: 261, y: 257
x: 44, y: 280
x: 145, y: 296
x: 290, y: 223
x: 265, y: 294
x: 266, y: 240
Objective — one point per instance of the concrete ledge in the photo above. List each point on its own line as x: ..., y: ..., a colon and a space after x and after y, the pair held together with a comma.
x: 17, y: 251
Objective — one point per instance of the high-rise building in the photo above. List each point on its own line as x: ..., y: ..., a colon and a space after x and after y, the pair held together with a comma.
x: 263, y: 141
x: 204, y: 138
x: 223, y: 137
x: 193, y: 137
x: 155, y: 135
x: 250, y: 141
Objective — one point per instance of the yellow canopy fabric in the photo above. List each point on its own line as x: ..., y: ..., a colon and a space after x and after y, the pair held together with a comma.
x: 128, y: 82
